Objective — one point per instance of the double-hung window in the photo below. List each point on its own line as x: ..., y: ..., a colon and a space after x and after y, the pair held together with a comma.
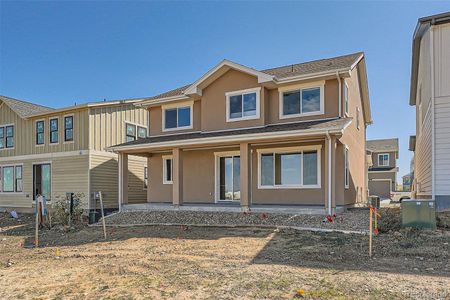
x: 243, y: 105
x: 167, y: 170
x: 289, y: 168
x: 54, y: 131
x: 68, y: 128
x: 177, y: 117
x: 9, y: 136
x: 301, y: 102
x: 40, y: 132
x: 383, y: 160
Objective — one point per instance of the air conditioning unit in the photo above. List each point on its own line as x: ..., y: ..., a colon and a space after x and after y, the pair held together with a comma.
x: 419, y: 214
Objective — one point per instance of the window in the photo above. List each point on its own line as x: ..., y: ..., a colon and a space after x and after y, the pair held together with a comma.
x: 167, y: 170
x: 290, y: 168
x: 383, y: 160
x: 40, y: 133
x: 2, y: 137
x: 145, y: 177
x: 134, y: 132
x: 177, y: 117
x: 347, y: 172
x: 306, y: 101
x: 18, y: 176
x: 243, y: 105
x: 131, y: 132
x: 8, y: 179
x: 68, y: 128
x: 357, y: 118
x: 346, y: 97
x: 54, y: 133
x: 9, y: 136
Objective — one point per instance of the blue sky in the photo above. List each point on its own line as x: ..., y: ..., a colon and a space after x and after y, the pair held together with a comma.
x: 58, y: 53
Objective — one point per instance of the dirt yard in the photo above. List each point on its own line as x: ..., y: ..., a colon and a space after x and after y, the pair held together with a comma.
x: 155, y: 262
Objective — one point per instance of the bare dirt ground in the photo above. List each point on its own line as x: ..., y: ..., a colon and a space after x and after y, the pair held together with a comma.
x: 154, y: 262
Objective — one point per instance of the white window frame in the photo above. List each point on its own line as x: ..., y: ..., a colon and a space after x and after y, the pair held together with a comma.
x: 36, y: 133
x: 164, y: 159
x: 14, y: 179
x: 257, y: 91
x: 388, y: 159
x: 4, y: 137
x: 346, y: 168
x: 178, y: 105
x: 346, y: 97
x: 300, y: 87
x: 64, y: 129
x: 288, y: 150
x: 50, y: 130
x: 217, y: 156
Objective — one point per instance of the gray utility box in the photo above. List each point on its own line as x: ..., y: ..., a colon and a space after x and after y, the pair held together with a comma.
x: 419, y: 214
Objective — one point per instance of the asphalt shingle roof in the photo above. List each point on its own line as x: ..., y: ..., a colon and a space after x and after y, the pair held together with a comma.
x: 23, y: 108
x: 389, y: 145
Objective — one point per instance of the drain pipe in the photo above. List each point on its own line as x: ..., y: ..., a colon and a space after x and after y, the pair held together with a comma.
x: 340, y: 93
x: 330, y: 209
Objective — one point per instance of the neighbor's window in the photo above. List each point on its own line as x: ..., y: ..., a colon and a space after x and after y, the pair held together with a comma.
x: 8, y: 179
x: 347, y: 173
x: 145, y: 177
x: 54, y: 137
x: 2, y: 137
x: 346, y: 98
x: 289, y: 169
x: 18, y: 176
x: 40, y: 133
x: 302, y: 102
x: 167, y: 170
x: 243, y: 105
x: 142, y: 132
x: 9, y: 136
x: 177, y: 117
x: 383, y: 160
x: 68, y: 128
x: 131, y: 132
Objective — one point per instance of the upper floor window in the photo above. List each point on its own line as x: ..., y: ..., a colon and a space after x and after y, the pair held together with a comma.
x: 68, y: 128
x: 54, y: 131
x: 243, y: 105
x: 301, y: 102
x: 346, y: 97
x: 383, y: 160
x: 134, y: 132
x: 40, y: 132
x: 177, y: 116
x: 6, y: 136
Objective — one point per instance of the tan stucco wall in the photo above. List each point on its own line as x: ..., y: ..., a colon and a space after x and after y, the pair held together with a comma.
x: 157, y: 191
x: 381, y: 189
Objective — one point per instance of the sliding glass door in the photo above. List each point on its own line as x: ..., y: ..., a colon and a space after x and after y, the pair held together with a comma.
x: 229, y: 178
x: 42, y: 181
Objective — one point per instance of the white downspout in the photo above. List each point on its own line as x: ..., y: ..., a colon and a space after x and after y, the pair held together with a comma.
x: 120, y: 162
x: 340, y: 93
x: 330, y: 209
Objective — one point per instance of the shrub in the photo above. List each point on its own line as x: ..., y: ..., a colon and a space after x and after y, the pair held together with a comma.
x: 390, y: 220
x: 61, y: 210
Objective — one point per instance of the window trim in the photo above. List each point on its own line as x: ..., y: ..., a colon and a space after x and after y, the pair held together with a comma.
x: 346, y: 168
x: 286, y: 150
x: 65, y: 141
x: 178, y: 105
x: 164, y: 159
x: 14, y: 192
x: 256, y: 90
x: 50, y: 131
x: 388, y: 159
x: 300, y: 87
x: 36, y: 133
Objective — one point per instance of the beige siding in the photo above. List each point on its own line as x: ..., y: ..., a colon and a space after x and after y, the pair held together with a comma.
x: 25, y: 133
x: 69, y: 174
x: 104, y: 174
x: 108, y: 124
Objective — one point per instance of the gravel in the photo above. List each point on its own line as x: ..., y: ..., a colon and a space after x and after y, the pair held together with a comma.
x: 351, y: 220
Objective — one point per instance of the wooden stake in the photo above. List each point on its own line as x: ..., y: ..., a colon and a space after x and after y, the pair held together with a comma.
x: 370, y: 233
x: 103, y: 214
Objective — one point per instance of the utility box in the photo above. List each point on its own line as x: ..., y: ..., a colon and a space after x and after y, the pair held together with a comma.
x: 419, y: 214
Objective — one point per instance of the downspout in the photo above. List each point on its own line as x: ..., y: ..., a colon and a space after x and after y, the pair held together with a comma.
x: 330, y: 209
x: 433, y: 121
x: 340, y: 93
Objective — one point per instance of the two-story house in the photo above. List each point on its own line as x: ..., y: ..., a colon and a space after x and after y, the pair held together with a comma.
x: 382, y: 176
x: 430, y: 93
x: 51, y: 152
x: 291, y: 135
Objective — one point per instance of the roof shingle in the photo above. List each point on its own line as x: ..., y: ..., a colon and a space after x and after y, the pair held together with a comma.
x: 23, y: 108
x: 389, y: 145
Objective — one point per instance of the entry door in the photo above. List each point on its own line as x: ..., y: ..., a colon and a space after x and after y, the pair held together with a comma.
x: 229, y: 180
x: 42, y: 181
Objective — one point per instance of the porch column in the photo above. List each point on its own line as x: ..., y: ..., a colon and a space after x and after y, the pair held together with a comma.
x: 245, y: 166
x: 123, y: 179
x: 177, y: 177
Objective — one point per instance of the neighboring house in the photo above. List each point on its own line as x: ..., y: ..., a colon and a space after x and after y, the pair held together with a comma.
x: 55, y: 151
x: 292, y: 135
x: 383, y: 171
x: 430, y: 93
x: 407, y: 180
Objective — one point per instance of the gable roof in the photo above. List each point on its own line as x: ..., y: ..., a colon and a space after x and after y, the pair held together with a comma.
x: 385, y: 145
x: 23, y: 108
